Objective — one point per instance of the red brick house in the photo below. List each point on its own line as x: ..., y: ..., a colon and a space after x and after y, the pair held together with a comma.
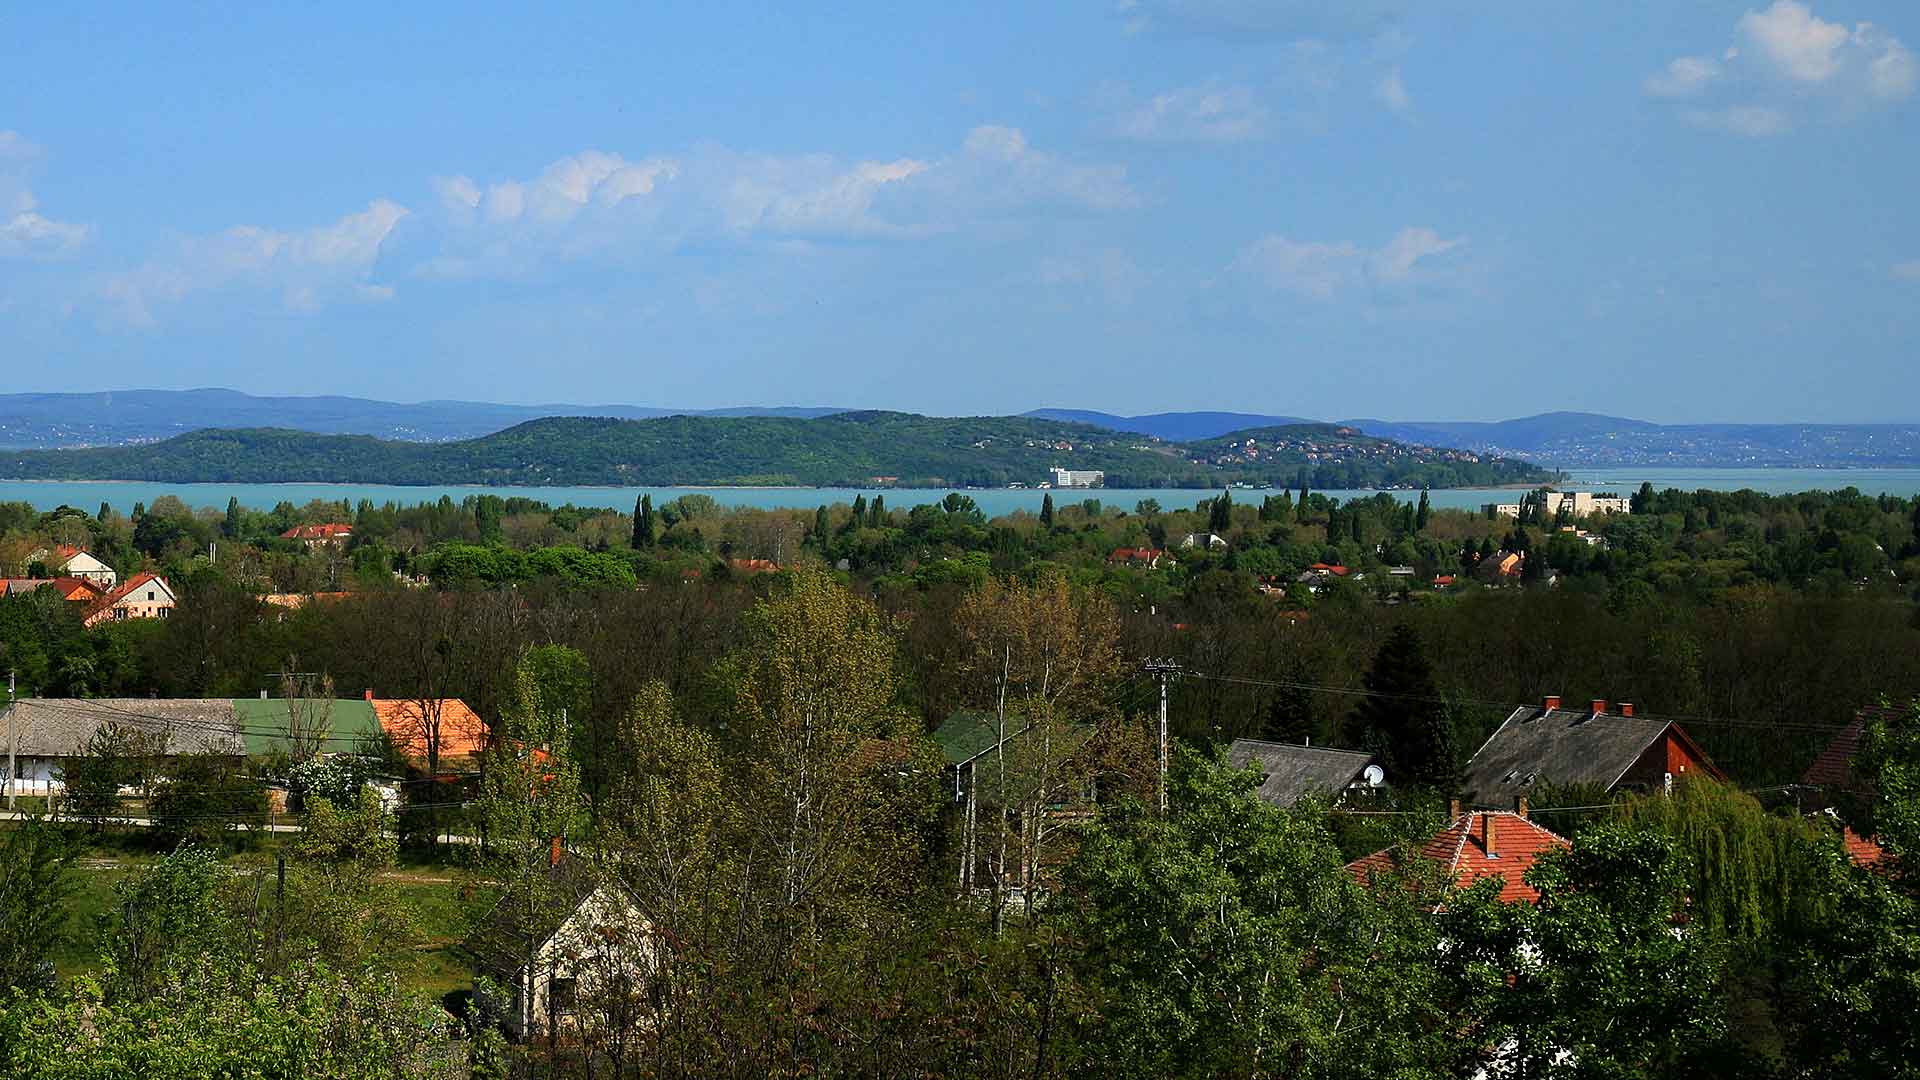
x: 1616, y: 750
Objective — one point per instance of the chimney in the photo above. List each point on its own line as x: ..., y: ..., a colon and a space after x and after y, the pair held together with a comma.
x: 1520, y: 806
x: 1626, y: 708
x: 1486, y: 833
x: 553, y: 856
x: 1599, y: 706
x: 1553, y: 702
x: 369, y: 693
x: 1453, y: 810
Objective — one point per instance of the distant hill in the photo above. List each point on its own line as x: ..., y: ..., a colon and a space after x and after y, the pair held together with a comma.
x: 1172, y: 426
x: 1572, y: 439
x: 122, y: 417
x: 852, y: 448
x: 1564, y: 440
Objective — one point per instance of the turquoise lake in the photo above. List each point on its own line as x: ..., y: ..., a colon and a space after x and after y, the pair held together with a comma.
x: 88, y: 495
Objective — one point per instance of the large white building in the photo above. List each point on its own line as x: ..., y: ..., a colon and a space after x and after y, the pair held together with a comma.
x: 1077, y: 478
x: 1584, y: 503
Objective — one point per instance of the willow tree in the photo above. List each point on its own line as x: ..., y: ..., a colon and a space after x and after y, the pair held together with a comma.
x: 1752, y: 871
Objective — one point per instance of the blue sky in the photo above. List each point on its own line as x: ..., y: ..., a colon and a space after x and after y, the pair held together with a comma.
x: 1413, y: 209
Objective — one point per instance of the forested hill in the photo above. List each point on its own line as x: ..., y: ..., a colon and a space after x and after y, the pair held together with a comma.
x: 842, y: 449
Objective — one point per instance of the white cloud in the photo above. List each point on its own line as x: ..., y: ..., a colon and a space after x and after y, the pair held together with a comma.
x: 599, y: 205
x: 307, y: 269
x: 1756, y: 120
x: 1392, y: 93
x: 1396, y: 261
x: 1907, y: 271
x: 1787, y: 64
x: 1206, y: 113
x: 1108, y: 272
x: 1323, y: 271
x: 24, y: 231
x: 1684, y: 77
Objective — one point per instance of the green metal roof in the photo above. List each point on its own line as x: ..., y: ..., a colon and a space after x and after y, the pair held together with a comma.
x: 965, y: 734
x: 348, y: 720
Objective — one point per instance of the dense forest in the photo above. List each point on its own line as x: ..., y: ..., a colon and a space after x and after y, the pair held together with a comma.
x: 844, y: 449
x: 683, y: 667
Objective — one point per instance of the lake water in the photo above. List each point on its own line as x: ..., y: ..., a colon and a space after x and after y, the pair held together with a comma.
x: 88, y: 495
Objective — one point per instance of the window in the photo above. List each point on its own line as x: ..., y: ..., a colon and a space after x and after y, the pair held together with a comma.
x: 149, y: 594
x: 561, y: 994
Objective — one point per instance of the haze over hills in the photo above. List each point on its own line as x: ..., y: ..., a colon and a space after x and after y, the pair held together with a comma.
x: 843, y: 449
x: 1555, y: 439
x: 124, y: 417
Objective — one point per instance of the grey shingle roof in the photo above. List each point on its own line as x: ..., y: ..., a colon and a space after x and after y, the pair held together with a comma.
x: 1295, y: 772
x: 60, y: 727
x: 1565, y: 746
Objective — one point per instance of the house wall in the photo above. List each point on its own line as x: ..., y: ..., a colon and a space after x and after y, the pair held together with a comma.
x: 1667, y: 755
x: 86, y: 566
x: 579, y: 950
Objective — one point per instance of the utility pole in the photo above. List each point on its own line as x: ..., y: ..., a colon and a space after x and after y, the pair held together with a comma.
x: 1164, y: 671
x: 13, y: 739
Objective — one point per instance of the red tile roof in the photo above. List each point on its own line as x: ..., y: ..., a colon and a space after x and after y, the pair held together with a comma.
x: 1860, y: 849
x: 461, y: 731
x: 332, y: 531
x: 1461, y: 850
x: 1834, y: 767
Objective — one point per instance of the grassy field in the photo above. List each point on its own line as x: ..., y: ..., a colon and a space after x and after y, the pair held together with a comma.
x: 441, y: 902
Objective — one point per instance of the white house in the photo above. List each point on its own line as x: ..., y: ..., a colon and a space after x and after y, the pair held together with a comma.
x: 69, y: 561
x: 1579, y: 504
x: 144, y: 596
x: 1205, y: 540
x: 564, y: 947
x: 42, y: 734
x: 1077, y: 478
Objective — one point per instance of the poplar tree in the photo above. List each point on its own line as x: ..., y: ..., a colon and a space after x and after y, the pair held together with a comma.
x: 1421, y: 515
x: 643, y: 523
x: 1220, y: 518
x: 231, y: 528
x: 1046, y: 510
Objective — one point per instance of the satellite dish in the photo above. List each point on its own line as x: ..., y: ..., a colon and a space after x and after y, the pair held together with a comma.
x: 1374, y: 775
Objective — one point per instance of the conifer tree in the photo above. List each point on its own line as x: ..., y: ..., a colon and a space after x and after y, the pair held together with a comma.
x: 643, y: 523
x: 820, y: 525
x: 1403, y: 718
x: 1421, y: 515
x: 877, y: 514
x: 1289, y: 716
x: 231, y: 528
x: 1220, y: 519
x: 1046, y: 511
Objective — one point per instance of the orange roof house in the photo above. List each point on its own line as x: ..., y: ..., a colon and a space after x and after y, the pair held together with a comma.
x: 143, y: 596
x: 1476, y: 845
x: 315, y: 535
x: 408, y: 722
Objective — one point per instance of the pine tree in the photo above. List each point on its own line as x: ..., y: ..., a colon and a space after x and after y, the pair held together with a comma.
x: 1402, y: 718
x: 231, y: 527
x: 1289, y: 716
x: 1046, y: 511
x: 1220, y: 519
x: 1421, y: 515
x: 1642, y: 501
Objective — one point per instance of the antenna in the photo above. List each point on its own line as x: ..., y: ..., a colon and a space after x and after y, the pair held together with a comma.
x: 1374, y: 775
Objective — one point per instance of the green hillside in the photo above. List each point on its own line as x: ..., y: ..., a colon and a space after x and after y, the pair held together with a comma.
x: 842, y: 449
